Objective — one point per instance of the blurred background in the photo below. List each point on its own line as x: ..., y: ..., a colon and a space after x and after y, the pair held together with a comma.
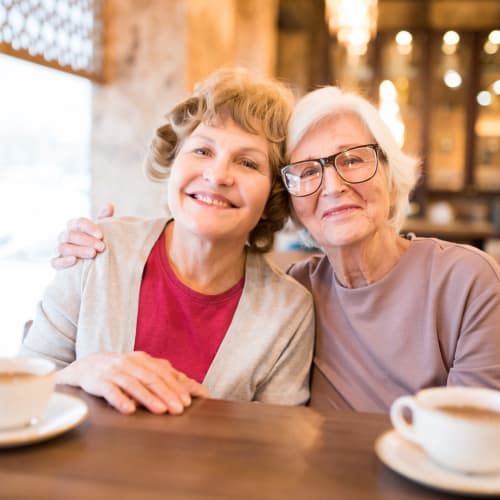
x: 84, y: 83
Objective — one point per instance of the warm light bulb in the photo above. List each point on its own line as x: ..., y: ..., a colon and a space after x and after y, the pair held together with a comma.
x: 387, y: 91
x: 490, y: 48
x: 404, y: 38
x: 494, y: 37
x: 484, y: 98
x: 452, y: 79
x: 451, y: 38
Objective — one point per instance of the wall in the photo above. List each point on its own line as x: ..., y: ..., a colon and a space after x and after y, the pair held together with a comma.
x: 155, y: 51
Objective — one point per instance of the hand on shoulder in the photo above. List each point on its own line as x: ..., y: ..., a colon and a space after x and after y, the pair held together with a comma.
x: 82, y: 239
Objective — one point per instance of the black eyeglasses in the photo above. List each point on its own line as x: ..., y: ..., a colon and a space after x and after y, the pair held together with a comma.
x: 354, y: 166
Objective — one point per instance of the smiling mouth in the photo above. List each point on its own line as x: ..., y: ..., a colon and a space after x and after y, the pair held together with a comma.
x: 340, y: 211
x: 212, y: 201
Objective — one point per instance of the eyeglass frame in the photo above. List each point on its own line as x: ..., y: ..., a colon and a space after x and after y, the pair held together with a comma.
x: 330, y: 160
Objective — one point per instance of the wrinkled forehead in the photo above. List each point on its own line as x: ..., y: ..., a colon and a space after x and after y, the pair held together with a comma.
x: 331, y: 134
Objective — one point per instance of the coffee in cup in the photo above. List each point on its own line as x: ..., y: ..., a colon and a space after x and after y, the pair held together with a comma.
x: 26, y: 384
x: 458, y: 427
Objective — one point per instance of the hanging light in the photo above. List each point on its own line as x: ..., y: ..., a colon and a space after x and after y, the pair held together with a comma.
x: 354, y: 22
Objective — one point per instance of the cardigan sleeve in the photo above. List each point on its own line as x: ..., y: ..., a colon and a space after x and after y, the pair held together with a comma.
x: 53, y: 332
x: 288, y: 379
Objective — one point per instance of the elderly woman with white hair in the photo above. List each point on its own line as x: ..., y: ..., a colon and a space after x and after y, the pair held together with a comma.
x: 394, y: 314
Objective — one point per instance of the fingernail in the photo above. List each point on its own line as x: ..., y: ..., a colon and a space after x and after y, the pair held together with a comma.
x: 186, y: 399
x: 159, y: 406
x: 175, y: 405
x: 99, y: 246
x: 127, y: 406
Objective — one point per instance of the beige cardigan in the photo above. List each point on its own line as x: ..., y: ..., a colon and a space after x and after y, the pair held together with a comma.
x: 92, y: 307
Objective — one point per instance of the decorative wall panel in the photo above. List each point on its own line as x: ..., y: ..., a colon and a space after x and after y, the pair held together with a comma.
x: 66, y: 34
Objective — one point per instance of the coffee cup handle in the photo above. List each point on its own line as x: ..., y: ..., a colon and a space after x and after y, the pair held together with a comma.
x: 398, y: 421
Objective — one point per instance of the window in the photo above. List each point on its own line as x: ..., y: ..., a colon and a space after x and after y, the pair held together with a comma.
x: 44, y: 180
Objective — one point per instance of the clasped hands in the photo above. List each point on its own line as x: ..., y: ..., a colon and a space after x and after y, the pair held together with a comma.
x: 128, y: 380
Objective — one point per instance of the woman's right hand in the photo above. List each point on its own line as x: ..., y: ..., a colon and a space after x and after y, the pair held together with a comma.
x: 126, y: 380
x: 82, y: 239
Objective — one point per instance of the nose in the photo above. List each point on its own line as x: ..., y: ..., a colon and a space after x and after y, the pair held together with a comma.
x: 332, y: 182
x: 218, y: 172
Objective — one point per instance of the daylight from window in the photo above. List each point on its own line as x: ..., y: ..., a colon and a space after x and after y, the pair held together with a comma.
x: 44, y: 180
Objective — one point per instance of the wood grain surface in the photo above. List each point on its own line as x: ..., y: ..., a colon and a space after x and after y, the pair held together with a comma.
x: 216, y: 450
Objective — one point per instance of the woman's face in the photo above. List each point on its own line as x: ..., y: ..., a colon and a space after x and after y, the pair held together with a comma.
x: 339, y: 213
x: 220, y: 181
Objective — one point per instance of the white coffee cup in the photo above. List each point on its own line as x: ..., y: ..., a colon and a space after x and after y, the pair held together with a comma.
x: 458, y: 427
x: 26, y: 384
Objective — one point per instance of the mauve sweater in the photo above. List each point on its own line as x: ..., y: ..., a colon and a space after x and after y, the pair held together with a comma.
x: 433, y: 320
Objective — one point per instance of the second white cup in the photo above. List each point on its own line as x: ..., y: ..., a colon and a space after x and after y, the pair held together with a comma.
x: 458, y: 427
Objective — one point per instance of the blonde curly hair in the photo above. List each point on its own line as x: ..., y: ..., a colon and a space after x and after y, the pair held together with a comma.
x: 258, y: 106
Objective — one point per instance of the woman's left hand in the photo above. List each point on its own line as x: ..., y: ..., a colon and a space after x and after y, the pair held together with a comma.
x: 126, y: 380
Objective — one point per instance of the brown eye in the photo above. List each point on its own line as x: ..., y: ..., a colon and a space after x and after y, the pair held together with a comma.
x: 249, y: 164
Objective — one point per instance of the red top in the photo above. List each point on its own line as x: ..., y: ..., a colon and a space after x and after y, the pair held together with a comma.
x: 177, y: 323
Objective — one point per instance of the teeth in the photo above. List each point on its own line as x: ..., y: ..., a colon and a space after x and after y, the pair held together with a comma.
x: 211, y: 201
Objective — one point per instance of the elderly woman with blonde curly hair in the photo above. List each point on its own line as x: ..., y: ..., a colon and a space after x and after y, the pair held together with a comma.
x: 189, y: 299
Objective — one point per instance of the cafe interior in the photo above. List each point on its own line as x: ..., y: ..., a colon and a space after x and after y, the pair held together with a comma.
x: 431, y: 67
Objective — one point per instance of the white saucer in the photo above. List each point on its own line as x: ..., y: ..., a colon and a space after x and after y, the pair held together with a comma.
x: 63, y: 413
x: 410, y: 461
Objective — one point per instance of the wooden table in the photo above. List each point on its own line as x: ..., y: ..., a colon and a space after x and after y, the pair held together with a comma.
x: 216, y: 450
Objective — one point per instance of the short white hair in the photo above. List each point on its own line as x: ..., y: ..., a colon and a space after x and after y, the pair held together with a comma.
x: 403, y: 171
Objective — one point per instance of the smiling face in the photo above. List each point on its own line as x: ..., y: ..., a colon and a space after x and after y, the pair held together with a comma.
x: 219, y: 183
x: 341, y: 214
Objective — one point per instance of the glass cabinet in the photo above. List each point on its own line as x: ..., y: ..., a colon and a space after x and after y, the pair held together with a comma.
x: 439, y: 91
x: 487, y: 120
x: 450, y: 84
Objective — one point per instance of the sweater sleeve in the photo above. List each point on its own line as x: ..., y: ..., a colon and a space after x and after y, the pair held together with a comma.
x: 477, y: 355
x: 288, y: 379
x: 53, y: 332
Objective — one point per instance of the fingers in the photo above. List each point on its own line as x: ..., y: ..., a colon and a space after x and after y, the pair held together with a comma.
x: 80, y: 245
x: 158, y: 389
x: 194, y: 388
x: 107, y: 210
x: 117, y: 398
x: 136, y: 378
x: 84, y: 225
x: 63, y: 262
x: 81, y: 240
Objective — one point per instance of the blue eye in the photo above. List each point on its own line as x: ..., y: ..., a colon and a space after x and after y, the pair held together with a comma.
x: 201, y: 151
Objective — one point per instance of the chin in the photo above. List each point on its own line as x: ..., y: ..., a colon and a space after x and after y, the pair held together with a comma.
x: 342, y: 239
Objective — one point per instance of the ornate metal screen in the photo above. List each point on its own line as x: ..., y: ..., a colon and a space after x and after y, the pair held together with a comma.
x: 63, y: 34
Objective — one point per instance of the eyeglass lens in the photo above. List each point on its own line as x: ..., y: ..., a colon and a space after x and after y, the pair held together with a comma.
x: 354, y: 166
